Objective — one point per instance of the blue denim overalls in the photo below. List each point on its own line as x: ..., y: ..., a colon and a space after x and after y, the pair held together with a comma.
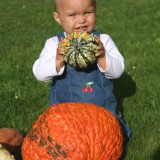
x: 72, y: 86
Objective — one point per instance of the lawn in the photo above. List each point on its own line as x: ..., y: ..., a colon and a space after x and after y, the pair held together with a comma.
x: 134, y: 25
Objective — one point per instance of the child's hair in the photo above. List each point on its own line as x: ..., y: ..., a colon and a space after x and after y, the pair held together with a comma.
x: 55, y: 4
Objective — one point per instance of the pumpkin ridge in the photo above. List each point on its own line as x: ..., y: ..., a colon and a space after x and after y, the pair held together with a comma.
x: 76, y: 60
x: 84, y: 127
x: 67, y: 60
x: 115, y: 131
x: 102, y: 131
x: 79, y: 59
x: 97, y: 129
x: 57, y: 150
x: 91, y: 46
x: 81, y: 126
x: 91, y: 137
x: 69, y: 126
x: 93, y: 52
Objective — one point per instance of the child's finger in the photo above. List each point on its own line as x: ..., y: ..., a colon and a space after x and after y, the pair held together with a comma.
x: 100, y: 54
x: 98, y: 40
x: 60, y: 51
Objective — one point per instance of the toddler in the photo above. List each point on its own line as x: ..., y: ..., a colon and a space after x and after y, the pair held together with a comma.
x: 91, y: 85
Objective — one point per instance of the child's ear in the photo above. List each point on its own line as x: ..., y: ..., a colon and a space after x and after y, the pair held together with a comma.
x: 56, y: 17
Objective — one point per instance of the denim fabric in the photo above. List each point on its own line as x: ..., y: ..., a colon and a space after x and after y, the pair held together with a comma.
x: 69, y: 88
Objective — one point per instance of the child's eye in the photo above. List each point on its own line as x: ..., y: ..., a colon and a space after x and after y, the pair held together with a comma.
x: 72, y: 15
x: 86, y: 13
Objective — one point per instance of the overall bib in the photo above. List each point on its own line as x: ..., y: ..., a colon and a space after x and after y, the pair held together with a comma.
x: 71, y: 86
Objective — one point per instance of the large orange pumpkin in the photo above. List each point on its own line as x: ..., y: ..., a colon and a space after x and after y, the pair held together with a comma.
x: 74, y: 131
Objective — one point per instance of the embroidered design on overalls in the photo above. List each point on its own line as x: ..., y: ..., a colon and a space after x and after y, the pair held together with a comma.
x: 88, y: 87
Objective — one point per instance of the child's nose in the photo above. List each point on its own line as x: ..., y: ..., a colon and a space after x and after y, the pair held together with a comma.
x: 82, y: 19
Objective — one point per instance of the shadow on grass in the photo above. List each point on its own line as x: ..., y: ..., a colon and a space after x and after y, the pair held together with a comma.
x: 156, y: 155
x: 123, y: 87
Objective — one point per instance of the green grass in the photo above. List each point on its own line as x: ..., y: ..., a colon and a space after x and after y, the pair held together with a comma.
x: 133, y: 25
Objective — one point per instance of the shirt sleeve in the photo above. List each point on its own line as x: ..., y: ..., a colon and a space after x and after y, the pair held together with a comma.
x: 114, y: 59
x: 44, y: 67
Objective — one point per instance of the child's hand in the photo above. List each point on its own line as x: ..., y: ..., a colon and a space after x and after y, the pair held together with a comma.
x: 59, y: 57
x: 101, y: 53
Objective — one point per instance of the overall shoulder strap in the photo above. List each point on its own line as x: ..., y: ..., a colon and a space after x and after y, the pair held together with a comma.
x: 96, y: 33
x: 60, y: 36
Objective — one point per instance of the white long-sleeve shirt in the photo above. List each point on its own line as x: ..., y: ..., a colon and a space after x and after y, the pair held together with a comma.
x: 44, y: 67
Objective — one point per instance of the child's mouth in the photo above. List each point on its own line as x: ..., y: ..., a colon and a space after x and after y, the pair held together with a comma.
x: 82, y: 28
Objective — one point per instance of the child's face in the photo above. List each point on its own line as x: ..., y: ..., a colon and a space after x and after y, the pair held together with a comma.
x: 75, y: 15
